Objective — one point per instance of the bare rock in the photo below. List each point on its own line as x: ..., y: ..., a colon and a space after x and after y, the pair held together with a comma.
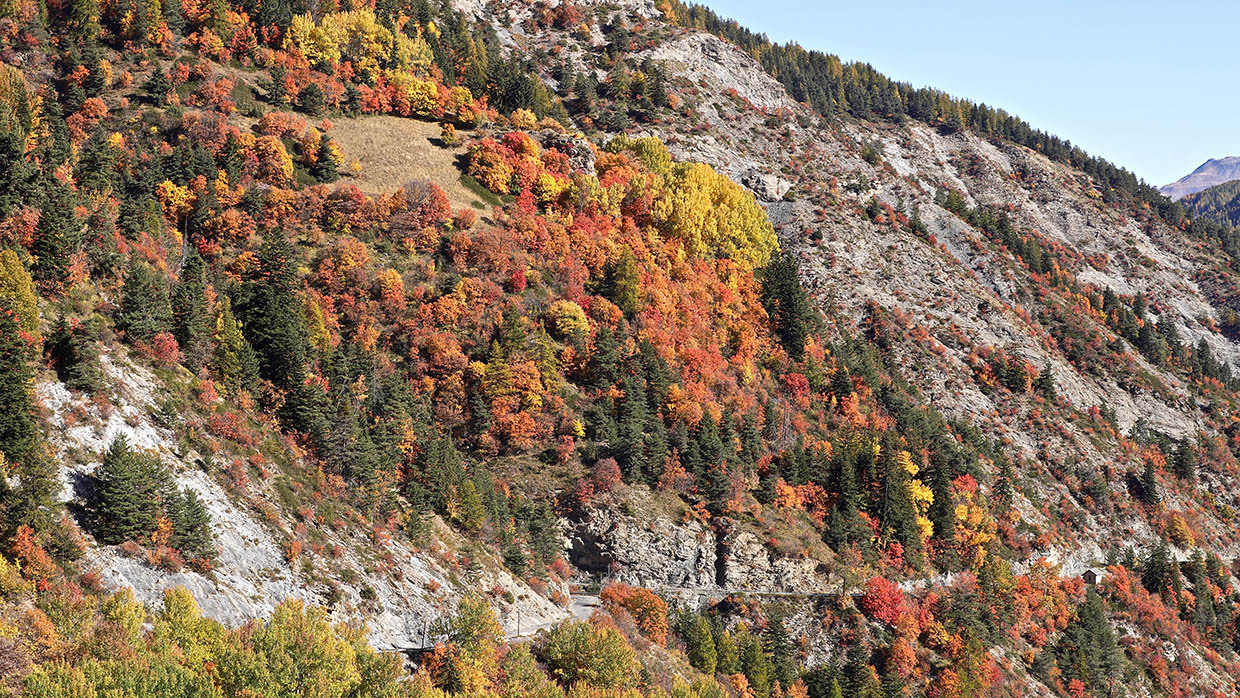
x: 765, y: 186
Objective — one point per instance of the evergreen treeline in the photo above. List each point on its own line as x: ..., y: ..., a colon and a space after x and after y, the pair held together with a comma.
x: 1220, y: 203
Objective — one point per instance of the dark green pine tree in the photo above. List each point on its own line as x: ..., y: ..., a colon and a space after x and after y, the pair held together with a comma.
x: 844, y: 525
x: 631, y: 429
x: 786, y: 304
x: 132, y: 492
x: 19, y: 433
x: 145, y: 310
x: 30, y: 501
x: 191, y: 316
x: 604, y: 364
x: 1087, y: 650
x: 896, y: 508
x: 234, y: 359
x: 943, y: 508
x: 1044, y: 384
x: 756, y: 666
x: 328, y: 162
x: 779, y: 647
x: 275, y: 325
x: 54, y: 235
x: 1159, y: 572
x: 76, y: 357
x: 191, y: 526
x: 1184, y: 462
x: 1149, y: 483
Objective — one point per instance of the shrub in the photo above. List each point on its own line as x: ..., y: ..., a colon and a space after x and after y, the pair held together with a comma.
x: 598, y: 656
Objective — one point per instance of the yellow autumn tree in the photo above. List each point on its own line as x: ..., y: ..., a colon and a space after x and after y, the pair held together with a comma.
x: 921, y: 495
x: 714, y: 217
x: 358, y: 37
x: 17, y: 293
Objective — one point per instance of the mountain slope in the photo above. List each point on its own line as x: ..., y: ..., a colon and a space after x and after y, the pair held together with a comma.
x: 1220, y: 203
x: 1212, y: 172
x: 860, y: 386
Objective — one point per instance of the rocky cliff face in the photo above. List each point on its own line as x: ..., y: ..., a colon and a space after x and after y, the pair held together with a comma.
x: 683, y: 557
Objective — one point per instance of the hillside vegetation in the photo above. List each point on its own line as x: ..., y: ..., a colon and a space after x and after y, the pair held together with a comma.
x: 330, y: 334
x: 1220, y: 203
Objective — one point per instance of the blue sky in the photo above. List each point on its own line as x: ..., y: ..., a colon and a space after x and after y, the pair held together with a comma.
x: 1150, y: 86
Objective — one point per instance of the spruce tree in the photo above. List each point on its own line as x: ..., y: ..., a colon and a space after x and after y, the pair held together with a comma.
x: 327, y: 163
x: 699, y: 644
x: 54, y: 235
x: 1087, y: 650
x: 1044, y: 384
x: 778, y: 645
x: 631, y: 428
x: 1184, y: 461
x: 190, y: 314
x: 23, y: 457
x: 1149, y: 483
x: 272, y: 313
x: 76, y: 357
x: 786, y: 304
x: 234, y: 360
x: 896, y: 508
x: 191, y: 524
x: 19, y: 433
x: 1157, y: 572
x: 605, y: 361
x: 132, y: 491
x: 144, y: 310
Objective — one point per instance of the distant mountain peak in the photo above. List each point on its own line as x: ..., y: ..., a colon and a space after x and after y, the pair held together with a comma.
x: 1210, y: 173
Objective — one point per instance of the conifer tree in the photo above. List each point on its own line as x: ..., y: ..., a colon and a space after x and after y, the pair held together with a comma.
x: 699, y: 644
x: 779, y: 646
x: 1087, y: 650
x: 896, y: 508
x: 622, y: 283
x: 328, y: 162
x: 145, y: 310
x: 605, y: 361
x: 756, y: 666
x: 1044, y: 384
x: 19, y: 434
x: 272, y: 313
x: 190, y: 314
x: 1149, y: 483
x: 786, y: 304
x: 133, y: 490
x: 76, y: 357
x: 1184, y: 461
x: 191, y: 524
x: 54, y: 235
x: 234, y: 360
x: 727, y: 656
x: 472, y: 513
x: 1158, y: 570
x: 631, y: 428
x: 23, y: 456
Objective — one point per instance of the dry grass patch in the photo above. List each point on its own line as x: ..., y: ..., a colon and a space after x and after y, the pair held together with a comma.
x: 394, y: 150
